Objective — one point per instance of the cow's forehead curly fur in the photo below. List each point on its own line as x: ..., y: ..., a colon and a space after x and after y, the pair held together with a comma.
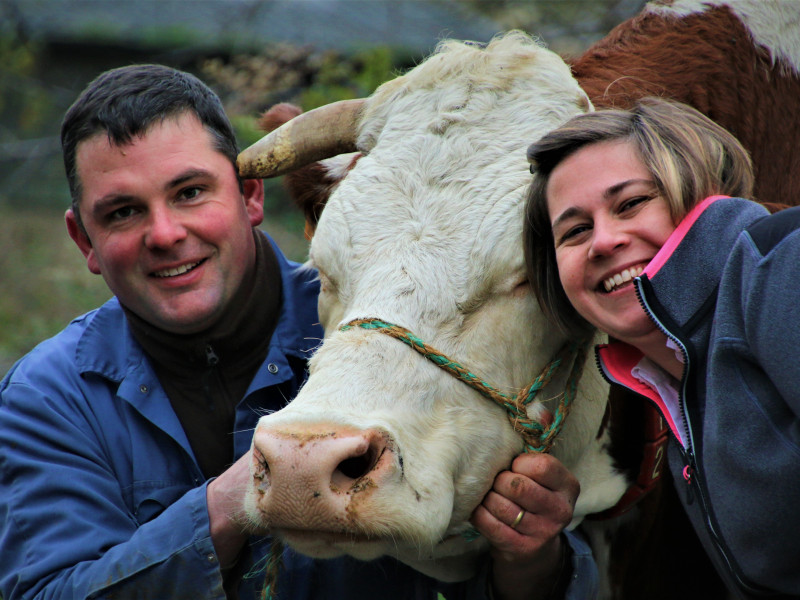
x: 438, y: 195
x: 461, y: 81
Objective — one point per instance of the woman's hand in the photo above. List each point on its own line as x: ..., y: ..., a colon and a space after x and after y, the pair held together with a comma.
x: 523, y: 516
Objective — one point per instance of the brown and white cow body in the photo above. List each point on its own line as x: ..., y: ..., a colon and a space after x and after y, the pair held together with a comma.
x: 737, y: 61
x: 381, y: 452
x: 425, y: 231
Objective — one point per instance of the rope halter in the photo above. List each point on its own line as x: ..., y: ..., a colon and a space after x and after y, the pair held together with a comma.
x: 536, y: 436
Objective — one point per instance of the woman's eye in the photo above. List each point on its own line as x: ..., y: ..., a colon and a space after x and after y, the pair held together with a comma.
x: 634, y: 202
x: 573, y: 232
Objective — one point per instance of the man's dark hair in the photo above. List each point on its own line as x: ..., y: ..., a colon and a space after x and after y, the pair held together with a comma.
x: 126, y: 102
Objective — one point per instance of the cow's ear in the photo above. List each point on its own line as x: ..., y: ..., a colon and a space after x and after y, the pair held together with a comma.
x: 277, y: 115
x: 310, y: 187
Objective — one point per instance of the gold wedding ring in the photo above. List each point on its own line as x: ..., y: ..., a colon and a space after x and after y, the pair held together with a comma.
x: 518, y: 519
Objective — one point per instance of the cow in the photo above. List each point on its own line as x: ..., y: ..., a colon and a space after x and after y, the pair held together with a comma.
x: 380, y: 452
x: 737, y: 61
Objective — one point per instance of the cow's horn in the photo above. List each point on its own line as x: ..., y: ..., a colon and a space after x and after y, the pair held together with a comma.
x: 318, y: 134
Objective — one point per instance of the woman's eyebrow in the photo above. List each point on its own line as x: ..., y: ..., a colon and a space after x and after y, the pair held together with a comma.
x: 618, y: 187
x: 571, y: 212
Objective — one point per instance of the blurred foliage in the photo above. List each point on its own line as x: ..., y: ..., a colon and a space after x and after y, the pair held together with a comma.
x: 46, y: 281
x: 28, y: 109
x: 26, y: 106
x: 250, y: 83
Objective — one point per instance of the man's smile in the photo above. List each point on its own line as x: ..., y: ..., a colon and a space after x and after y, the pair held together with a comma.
x: 179, y: 270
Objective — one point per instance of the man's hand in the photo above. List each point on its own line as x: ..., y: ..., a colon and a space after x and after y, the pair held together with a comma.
x: 523, y: 516
x: 229, y: 526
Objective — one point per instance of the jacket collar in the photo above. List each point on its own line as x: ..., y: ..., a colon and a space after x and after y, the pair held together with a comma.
x: 679, y: 286
x: 107, y: 347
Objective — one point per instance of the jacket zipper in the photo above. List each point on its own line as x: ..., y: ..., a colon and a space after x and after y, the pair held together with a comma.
x: 212, y: 360
x: 691, y: 474
x: 681, y: 405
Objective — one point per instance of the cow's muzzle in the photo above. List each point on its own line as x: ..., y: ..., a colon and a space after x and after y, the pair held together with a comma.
x: 320, y: 477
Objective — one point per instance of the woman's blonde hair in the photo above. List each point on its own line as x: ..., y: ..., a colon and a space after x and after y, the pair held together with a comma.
x: 688, y: 155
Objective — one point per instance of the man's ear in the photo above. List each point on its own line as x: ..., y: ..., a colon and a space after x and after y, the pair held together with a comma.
x: 82, y: 240
x: 254, y: 200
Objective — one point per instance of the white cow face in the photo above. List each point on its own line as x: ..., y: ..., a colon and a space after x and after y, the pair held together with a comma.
x: 382, y: 452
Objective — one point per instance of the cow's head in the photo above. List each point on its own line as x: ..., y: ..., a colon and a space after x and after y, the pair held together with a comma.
x: 382, y: 452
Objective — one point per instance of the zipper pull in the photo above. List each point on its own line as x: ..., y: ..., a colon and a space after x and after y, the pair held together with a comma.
x: 211, y: 362
x: 688, y: 471
x: 211, y: 357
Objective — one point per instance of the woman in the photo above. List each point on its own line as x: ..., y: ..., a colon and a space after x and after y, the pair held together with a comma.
x: 634, y: 228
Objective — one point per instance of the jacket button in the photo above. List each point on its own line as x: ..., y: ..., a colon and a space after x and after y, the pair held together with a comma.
x: 272, y: 368
x: 143, y: 388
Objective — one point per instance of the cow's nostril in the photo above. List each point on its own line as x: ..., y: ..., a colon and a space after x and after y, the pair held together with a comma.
x: 356, y: 467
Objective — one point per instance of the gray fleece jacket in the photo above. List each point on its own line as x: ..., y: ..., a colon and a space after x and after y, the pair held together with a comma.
x: 725, y: 288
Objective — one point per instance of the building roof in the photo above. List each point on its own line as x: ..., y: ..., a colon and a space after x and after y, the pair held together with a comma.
x: 414, y: 25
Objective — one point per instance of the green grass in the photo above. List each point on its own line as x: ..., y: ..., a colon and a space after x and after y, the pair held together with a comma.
x: 45, y: 282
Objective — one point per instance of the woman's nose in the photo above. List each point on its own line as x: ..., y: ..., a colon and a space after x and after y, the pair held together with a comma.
x: 607, y: 237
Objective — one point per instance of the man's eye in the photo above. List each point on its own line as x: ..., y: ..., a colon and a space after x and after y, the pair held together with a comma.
x: 190, y: 193
x: 121, y: 213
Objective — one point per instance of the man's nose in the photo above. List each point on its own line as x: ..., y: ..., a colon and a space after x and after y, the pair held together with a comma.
x: 164, y: 229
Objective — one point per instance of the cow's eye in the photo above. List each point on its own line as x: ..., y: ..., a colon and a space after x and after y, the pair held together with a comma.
x: 326, y: 284
x: 523, y: 288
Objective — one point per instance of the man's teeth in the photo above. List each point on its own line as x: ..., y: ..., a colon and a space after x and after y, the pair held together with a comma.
x: 177, y: 270
x: 620, y: 278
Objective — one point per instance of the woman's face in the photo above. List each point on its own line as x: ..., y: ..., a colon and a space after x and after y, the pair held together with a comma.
x: 608, y: 222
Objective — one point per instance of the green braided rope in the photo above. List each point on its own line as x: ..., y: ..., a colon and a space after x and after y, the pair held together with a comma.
x: 274, y: 559
x: 536, y: 437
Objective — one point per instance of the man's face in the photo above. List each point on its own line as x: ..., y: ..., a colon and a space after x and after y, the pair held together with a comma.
x: 166, y: 224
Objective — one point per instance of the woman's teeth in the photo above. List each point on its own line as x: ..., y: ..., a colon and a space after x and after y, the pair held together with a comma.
x: 623, y: 277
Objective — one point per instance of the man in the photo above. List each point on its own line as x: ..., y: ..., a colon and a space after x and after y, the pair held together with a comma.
x: 119, y: 433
